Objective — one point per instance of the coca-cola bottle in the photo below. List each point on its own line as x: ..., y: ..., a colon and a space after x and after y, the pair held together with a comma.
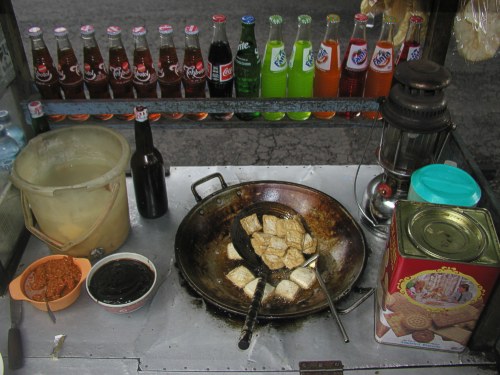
x: 120, y: 72
x: 169, y: 76
x: 70, y: 76
x: 220, y: 65
x: 381, y: 68
x: 145, y: 78
x: 355, y: 63
x: 95, y: 73
x: 193, y: 71
x: 411, y: 49
x: 45, y: 73
x: 39, y: 121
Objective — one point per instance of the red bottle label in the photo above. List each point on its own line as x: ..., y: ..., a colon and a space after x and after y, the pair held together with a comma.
x: 220, y: 73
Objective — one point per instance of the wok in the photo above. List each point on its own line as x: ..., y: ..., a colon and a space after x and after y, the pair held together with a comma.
x: 202, y: 237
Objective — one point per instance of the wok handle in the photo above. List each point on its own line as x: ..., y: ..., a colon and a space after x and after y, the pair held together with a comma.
x: 247, y: 330
x: 205, y: 179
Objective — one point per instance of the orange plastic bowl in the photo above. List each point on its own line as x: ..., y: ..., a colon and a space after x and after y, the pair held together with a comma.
x: 16, y: 287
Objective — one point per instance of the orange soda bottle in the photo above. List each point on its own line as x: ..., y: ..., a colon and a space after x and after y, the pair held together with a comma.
x: 381, y: 69
x: 327, y: 67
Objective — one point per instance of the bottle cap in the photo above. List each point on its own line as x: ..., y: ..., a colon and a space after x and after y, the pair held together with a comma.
x: 4, y: 116
x: 304, y: 19
x: 165, y: 29
x: 416, y: 19
x: 60, y: 31
x: 333, y: 18
x: 218, y: 18
x: 35, y: 109
x: 141, y: 113
x: 276, y: 20
x: 114, y: 30
x: 389, y: 19
x: 87, y: 30
x: 191, y: 29
x: 139, y: 30
x: 35, y: 31
x: 248, y: 20
x: 361, y: 17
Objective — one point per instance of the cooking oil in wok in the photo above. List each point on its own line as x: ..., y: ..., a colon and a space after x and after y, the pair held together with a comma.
x: 73, y: 173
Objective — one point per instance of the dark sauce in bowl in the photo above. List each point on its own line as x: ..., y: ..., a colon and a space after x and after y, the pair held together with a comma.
x: 121, y: 281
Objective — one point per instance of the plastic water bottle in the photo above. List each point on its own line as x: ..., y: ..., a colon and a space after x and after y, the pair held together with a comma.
x: 13, y: 131
x: 8, y: 150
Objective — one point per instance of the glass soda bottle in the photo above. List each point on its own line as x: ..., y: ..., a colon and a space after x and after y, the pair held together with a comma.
x: 301, y: 67
x: 220, y: 65
x: 8, y: 151
x: 247, y: 66
x: 327, y: 66
x: 274, y: 67
x: 14, y: 130
x: 169, y: 76
x: 120, y: 73
x: 39, y: 121
x: 95, y: 73
x: 193, y: 72
x: 70, y: 75
x: 148, y: 170
x: 411, y: 49
x: 381, y: 69
x: 45, y: 73
x: 145, y: 78
x: 355, y: 63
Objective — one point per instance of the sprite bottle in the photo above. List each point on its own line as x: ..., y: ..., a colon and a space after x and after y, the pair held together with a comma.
x: 274, y: 67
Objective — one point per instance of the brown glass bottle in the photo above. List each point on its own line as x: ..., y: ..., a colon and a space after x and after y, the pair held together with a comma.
x: 148, y: 171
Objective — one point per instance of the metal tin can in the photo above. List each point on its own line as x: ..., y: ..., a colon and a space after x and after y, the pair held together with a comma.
x: 440, y: 266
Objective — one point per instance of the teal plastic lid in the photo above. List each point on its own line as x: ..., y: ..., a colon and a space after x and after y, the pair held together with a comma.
x: 444, y: 184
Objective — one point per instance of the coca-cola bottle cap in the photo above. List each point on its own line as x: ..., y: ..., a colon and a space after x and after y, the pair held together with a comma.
x: 191, y: 29
x: 87, y: 30
x: 60, y: 31
x: 139, y: 30
x: 35, y: 109
x: 114, y: 30
x: 361, y: 17
x: 248, y: 20
x: 416, y: 19
x: 219, y: 18
x: 141, y: 113
x: 165, y: 29
x: 276, y: 19
x: 333, y: 18
x: 34, y: 31
x: 304, y: 19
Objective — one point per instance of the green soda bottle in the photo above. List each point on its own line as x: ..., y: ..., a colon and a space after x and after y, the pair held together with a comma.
x: 301, y: 68
x: 274, y: 67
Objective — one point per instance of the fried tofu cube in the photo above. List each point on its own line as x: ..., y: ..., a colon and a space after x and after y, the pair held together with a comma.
x: 240, y: 276
x: 287, y: 289
x: 294, y: 224
x: 273, y: 251
x: 249, y: 290
x: 262, y: 237
x: 251, y: 224
x: 258, y: 246
x: 310, y: 244
x: 278, y: 243
x: 232, y: 253
x: 280, y: 228
x: 274, y: 262
x: 269, y: 223
x: 294, y: 239
x: 303, y: 277
x: 293, y: 258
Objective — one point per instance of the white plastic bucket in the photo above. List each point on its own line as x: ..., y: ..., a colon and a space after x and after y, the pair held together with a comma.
x: 72, y: 183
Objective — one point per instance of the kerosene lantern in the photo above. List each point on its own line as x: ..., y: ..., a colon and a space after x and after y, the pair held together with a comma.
x: 416, y: 126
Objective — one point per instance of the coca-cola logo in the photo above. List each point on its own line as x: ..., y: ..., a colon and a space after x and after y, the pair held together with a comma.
x: 227, y: 72
x: 359, y: 56
x: 382, y: 59
x: 322, y: 56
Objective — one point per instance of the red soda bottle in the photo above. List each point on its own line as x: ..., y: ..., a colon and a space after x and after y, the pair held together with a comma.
x: 45, y: 73
x: 220, y: 65
x: 145, y: 78
x: 411, y: 49
x: 168, y: 69
x: 120, y: 77
x: 355, y: 63
x: 95, y: 73
x: 379, y: 76
x: 193, y: 72
x: 70, y: 76
x: 327, y: 67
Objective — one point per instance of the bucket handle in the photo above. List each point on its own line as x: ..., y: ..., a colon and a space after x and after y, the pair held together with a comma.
x: 30, y: 224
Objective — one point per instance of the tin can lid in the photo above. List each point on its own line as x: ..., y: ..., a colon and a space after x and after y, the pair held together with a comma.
x: 444, y: 184
x: 446, y: 233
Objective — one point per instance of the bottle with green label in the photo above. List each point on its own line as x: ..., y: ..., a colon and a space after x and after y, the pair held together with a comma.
x: 301, y: 67
x: 274, y: 67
